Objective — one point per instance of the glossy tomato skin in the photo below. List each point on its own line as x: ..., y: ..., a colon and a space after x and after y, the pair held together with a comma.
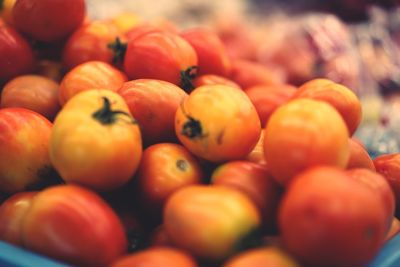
x: 12, y: 213
x: 90, y: 43
x: 95, y: 141
x: 90, y: 75
x: 211, y: 53
x: 155, y: 257
x: 16, y: 54
x: 48, y: 20
x: 159, y: 55
x: 359, y: 157
x: 210, y: 123
x: 212, y: 79
x: 74, y: 225
x: 153, y: 103
x: 209, y: 221
x: 32, y: 92
x: 24, y: 142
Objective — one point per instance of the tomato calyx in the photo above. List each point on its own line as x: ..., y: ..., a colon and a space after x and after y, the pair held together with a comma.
x: 119, y: 49
x: 105, y: 115
x: 187, y: 76
x: 182, y: 165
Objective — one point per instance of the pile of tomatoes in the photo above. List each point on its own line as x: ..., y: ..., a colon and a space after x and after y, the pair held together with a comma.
x: 126, y: 142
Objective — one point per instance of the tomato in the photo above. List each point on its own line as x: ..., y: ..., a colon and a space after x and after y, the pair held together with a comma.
x: 126, y: 21
x: 6, y: 10
x: 51, y: 69
x: 32, y: 92
x: 160, y: 55
x: 211, y: 79
x: 24, y: 142
x: 90, y: 42
x: 257, y: 154
x: 157, y: 257
x: 210, y: 123
x: 260, y: 257
x: 255, y: 181
x: 153, y: 103
x: 394, y: 229
x: 142, y: 29
x: 48, y: 20
x: 304, y: 133
x: 74, y: 225
x: 95, y: 141
x: 267, y: 98
x: 164, y: 169
x: 90, y: 75
x: 359, y: 157
x: 209, y: 221
x: 12, y: 213
x: 328, y: 219
x: 16, y: 55
x: 339, y: 96
x: 211, y: 53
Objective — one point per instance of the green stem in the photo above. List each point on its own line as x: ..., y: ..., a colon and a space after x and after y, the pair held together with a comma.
x: 187, y: 76
x: 119, y: 50
x: 105, y: 115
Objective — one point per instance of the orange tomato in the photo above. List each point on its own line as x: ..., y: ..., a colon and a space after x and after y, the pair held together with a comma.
x: 32, y: 92
x: 6, y: 11
x: 304, y: 133
x: 125, y: 21
x: 210, y: 123
x: 90, y: 75
x: 359, y: 157
x: 257, y: 154
x: 394, y: 229
x: 389, y: 166
x: 212, y: 79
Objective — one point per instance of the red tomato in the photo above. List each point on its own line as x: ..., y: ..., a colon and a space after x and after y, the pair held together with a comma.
x: 73, y: 224
x: 211, y: 53
x: 16, y: 55
x: 153, y: 103
x: 89, y: 43
x: 90, y: 75
x: 211, y: 79
x: 359, y: 157
x: 24, y: 149
x: 48, y: 20
x: 160, y: 55
x: 32, y: 92
x: 12, y: 213
x: 142, y: 29
x: 328, y: 219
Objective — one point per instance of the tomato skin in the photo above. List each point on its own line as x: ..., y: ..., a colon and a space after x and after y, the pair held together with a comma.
x: 90, y: 43
x: 16, y: 54
x: 212, y: 55
x: 90, y: 75
x: 159, y: 55
x: 324, y: 221
x: 153, y: 103
x: 74, y: 225
x: 32, y: 92
x: 12, y: 213
x: 48, y: 20
x: 212, y: 79
x: 209, y: 221
x: 24, y: 141
x: 101, y: 154
x: 359, y: 157
x: 156, y: 257
x: 6, y: 11
x: 210, y: 123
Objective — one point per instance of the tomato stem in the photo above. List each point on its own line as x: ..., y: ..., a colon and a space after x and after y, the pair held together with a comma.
x: 105, y: 115
x: 187, y: 76
x: 119, y: 49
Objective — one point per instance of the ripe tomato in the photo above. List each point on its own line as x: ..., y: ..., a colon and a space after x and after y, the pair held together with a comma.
x: 255, y: 181
x: 304, y: 133
x: 339, y: 96
x: 160, y: 55
x: 125, y: 21
x: 211, y: 79
x: 95, y: 141
x: 328, y: 219
x: 359, y: 157
x: 90, y: 75
x: 257, y: 154
x: 157, y: 257
x: 153, y: 103
x: 164, y: 169
x: 210, y: 123
x: 6, y: 10
x: 24, y: 142
x: 267, y: 98
x: 50, y: 69
x: 12, y: 213
x: 90, y: 43
x: 209, y: 221
x: 16, y: 55
x: 211, y: 53
x: 74, y: 225
x: 32, y: 92
x: 48, y: 20
x: 394, y: 229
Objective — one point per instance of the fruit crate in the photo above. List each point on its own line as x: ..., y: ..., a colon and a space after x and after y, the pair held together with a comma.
x: 12, y: 256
